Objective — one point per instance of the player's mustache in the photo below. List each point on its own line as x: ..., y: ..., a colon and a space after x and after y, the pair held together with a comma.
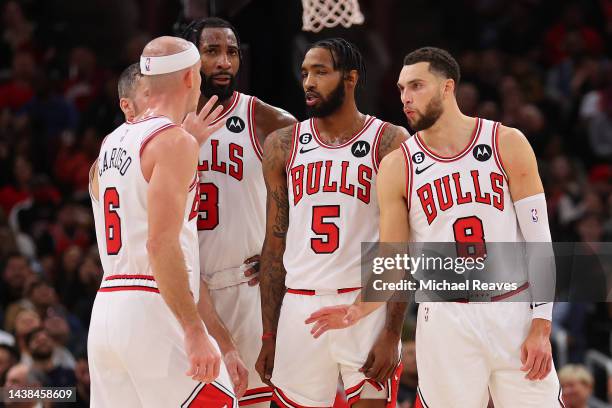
x: 221, y: 74
x: 313, y: 94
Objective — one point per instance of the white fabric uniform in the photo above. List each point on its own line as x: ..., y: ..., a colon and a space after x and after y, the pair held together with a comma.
x: 135, y: 345
x: 332, y: 209
x: 231, y: 229
x: 464, y: 349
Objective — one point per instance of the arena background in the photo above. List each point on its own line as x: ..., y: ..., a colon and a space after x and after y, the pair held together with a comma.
x: 542, y: 66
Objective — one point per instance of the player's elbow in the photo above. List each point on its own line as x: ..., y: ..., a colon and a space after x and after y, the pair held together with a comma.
x: 157, y: 244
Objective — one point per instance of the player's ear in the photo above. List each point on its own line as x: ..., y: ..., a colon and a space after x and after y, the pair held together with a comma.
x: 124, y: 104
x: 351, y: 78
x: 189, y: 78
x: 449, y: 87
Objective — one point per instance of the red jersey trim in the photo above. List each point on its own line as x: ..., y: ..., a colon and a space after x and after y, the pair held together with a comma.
x: 284, y: 402
x: 375, y: 154
x: 256, y: 395
x: 496, y: 154
x: 466, y: 149
x: 296, y: 132
x: 144, y: 277
x: 128, y: 288
x: 196, y: 180
x: 253, y: 130
x: 232, y: 106
x: 313, y: 125
x: 409, y: 174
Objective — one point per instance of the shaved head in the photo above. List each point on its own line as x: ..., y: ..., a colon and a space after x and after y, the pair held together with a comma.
x: 165, y: 45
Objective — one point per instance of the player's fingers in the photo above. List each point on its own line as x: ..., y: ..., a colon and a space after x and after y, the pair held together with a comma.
x: 269, y: 367
x: 317, y: 324
x: 193, y: 368
x: 548, y: 368
x: 208, y: 107
x: 528, y: 360
x: 254, y: 258
x: 368, y: 363
x: 535, y: 369
x: 208, y: 120
x: 375, y: 370
x: 329, y: 310
x: 243, y: 381
x: 216, y: 366
x: 321, y: 330
x: 254, y: 281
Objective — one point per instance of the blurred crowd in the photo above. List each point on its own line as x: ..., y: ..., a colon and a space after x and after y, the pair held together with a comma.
x: 538, y: 65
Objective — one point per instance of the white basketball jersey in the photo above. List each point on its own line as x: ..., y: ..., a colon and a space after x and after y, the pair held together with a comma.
x: 332, y: 207
x: 232, y: 219
x: 121, y: 218
x: 464, y: 198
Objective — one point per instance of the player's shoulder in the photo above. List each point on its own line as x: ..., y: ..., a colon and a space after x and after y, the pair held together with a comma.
x: 392, y: 137
x: 174, y: 140
x: 270, y: 118
x: 511, y: 141
x: 393, y: 161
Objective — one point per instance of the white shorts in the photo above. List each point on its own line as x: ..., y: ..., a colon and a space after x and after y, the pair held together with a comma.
x: 463, y: 351
x: 239, y: 307
x: 137, y: 357
x: 306, y: 370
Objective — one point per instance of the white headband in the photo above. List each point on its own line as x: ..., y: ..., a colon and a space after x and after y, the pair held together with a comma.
x: 169, y: 63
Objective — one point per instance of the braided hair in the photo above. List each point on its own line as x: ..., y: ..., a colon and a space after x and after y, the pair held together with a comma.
x: 345, y: 56
x: 193, y: 31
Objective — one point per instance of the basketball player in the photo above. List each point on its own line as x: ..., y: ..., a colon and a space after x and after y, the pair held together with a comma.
x: 489, y: 176
x: 321, y: 177
x: 231, y: 222
x: 147, y: 344
x: 131, y: 92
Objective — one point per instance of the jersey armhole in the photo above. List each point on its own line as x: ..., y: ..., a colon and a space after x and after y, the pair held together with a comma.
x: 252, y: 129
x: 296, y: 132
x: 496, y: 155
x: 375, y: 148
x: 406, y: 153
x: 89, y: 186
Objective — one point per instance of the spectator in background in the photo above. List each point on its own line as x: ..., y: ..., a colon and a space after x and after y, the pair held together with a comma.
x: 577, y: 385
x: 15, y: 275
x: 18, y: 91
x: 85, y: 79
x: 468, y: 98
x: 21, y: 189
x: 81, y: 372
x: 42, y: 349
x: 9, y: 356
x: 26, y: 321
x: 21, y: 376
x: 18, y: 30
x: 600, y: 128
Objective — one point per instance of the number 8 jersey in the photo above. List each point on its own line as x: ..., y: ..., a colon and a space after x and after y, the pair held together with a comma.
x: 332, y: 207
x: 464, y: 198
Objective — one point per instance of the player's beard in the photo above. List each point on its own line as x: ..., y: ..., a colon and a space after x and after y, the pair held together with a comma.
x: 208, y: 88
x: 432, y: 113
x: 328, y: 105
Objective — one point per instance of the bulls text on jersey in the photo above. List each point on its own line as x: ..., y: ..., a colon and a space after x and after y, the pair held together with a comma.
x: 231, y: 165
x: 487, y: 190
x: 316, y: 177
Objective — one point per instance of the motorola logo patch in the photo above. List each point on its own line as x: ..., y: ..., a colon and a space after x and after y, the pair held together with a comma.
x: 482, y: 152
x: 418, y: 157
x: 234, y: 124
x: 360, y: 148
x: 305, y: 138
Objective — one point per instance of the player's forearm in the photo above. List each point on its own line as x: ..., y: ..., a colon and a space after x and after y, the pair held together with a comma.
x: 213, y: 322
x: 272, y: 283
x: 396, y: 312
x: 170, y: 272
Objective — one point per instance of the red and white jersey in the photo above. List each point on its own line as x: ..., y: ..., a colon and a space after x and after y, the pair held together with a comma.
x: 464, y: 198
x: 332, y: 207
x: 121, y: 212
x: 232, y: 219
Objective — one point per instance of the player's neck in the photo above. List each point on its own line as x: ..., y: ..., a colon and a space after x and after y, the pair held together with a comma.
x: 164, y: 106
x: 450, y: 134
x: 342, y: 124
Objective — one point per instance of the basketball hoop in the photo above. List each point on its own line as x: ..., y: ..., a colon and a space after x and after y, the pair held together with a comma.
x: 320, y: 14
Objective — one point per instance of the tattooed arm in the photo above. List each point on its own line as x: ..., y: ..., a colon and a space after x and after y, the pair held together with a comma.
x: 277, y: 149
x: 393, y: 136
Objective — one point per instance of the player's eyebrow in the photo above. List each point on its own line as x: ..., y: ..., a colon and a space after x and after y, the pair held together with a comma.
x: 315, y: 66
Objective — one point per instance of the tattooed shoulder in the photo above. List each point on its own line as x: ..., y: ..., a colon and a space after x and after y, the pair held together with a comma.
x: 391, y: 139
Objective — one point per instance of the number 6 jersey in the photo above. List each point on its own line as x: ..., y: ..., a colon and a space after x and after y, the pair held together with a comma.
x: 332, y: 207
x: 121, y: 211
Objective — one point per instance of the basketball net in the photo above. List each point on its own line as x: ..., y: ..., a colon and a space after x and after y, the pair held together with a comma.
x: 320, y: 14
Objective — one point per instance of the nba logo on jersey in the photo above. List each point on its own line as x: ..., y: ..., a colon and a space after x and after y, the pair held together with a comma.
x: 148, y: 64
x: 534, y: 215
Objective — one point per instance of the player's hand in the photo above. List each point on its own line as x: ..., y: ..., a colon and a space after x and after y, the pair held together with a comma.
x: 265, y: 361
x: 383, y: 357
x: 536, y: 351
x: 253, y: 271
x: 334, y: 318
x: 237, y: 371
x: 204, y: 359
x: 199, y: 124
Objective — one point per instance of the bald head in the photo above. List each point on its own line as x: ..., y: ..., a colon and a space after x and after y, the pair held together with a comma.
x: 165, y: 45
x: 183, y: 86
